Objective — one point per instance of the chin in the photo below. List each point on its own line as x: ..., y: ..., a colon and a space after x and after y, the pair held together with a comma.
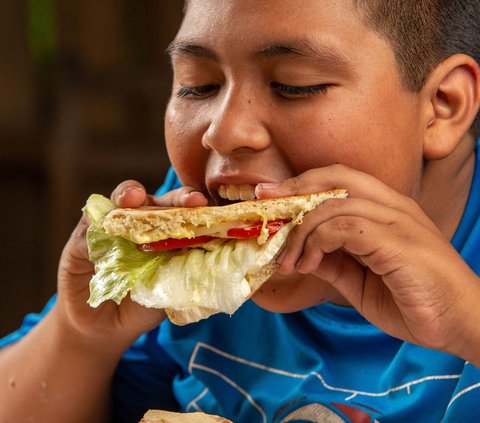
x: 287, y: 294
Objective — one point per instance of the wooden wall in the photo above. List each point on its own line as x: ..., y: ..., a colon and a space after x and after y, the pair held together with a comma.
x: 80, y: 120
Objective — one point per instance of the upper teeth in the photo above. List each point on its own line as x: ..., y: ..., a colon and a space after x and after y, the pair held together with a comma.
x: 237, y: 192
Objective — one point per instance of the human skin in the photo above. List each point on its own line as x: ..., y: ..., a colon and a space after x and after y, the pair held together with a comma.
x: 237, y: 116
x: 242, y: 119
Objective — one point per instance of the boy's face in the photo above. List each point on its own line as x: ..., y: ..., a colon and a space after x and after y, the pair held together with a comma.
x: 264, y: 91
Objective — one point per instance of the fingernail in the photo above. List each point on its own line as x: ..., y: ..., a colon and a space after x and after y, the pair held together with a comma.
x: 192, y: 193
x: 130, y: 190
x: 268, y: 185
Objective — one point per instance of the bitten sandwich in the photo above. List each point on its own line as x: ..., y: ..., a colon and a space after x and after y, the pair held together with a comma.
x: 192, y: 262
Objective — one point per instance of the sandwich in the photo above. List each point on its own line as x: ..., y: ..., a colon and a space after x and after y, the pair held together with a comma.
x: 192, y: 262
x: 160, y: 416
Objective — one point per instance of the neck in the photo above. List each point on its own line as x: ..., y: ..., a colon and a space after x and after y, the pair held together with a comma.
x: 446, y: 186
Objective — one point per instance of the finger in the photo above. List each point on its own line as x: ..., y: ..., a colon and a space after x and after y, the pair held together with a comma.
x: 358, y: 185
x: 138, y: 316
x: 181, y: 197
x: 384, y: 248
x: 130, y: 194
x: 310, y: 258
x: 78, y: 237
x: 75, y: 254
x: 345, y: 274
x: 339, y: 216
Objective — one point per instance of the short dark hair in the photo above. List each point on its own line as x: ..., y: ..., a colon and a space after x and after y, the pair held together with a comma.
x: 423, y: 33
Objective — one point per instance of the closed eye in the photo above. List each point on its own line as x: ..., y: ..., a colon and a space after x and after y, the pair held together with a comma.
x: 299, y: 91
x: 202, y: 91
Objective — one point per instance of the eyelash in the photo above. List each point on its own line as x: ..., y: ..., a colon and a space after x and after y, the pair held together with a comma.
x: 197, y: 92
x: 282, y: 89
x: 299, y: 91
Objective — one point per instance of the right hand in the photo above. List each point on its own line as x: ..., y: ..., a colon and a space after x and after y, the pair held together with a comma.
x: 109, y: 325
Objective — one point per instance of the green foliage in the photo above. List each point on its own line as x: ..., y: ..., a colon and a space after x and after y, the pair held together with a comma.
x: 43, y: 37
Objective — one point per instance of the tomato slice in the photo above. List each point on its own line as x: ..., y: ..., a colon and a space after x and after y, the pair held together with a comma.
x: 255, y: 230
x: 173, y: 244
x: 252, y: 231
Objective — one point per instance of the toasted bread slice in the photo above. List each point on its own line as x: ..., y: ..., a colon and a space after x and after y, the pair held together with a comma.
x: 149, y: 224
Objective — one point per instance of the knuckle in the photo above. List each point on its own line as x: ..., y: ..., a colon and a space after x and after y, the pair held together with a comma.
x: 312, y: 242
x: 293, y: 184
x: 412, y: 204
x: 334, y: 204
x: 304, y: 183
x: 343, y: 224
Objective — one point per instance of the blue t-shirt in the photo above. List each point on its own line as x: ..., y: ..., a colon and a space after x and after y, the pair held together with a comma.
x: 323, y: 364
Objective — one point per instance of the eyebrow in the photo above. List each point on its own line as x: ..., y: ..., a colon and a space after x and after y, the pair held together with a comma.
x: 322, y: 53
x: 319, y: 52
x: 191, y: 48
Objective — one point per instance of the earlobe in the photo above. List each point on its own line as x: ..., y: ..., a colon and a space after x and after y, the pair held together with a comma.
x: 452, y: 94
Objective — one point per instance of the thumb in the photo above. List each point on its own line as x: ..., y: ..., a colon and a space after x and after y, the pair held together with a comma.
x: 298, y: 185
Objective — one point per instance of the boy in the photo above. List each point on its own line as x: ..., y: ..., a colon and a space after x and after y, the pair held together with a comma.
x: 381, y: 311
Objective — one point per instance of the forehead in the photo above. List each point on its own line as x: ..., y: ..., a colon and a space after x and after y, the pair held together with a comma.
x: 249, y: 24
x: 241, y: 18
x: 233, y: 30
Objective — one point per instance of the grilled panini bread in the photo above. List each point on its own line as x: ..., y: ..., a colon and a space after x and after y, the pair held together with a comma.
x: 149, y: 224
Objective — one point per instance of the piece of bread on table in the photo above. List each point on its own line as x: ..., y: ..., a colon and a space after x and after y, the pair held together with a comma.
x: 160, y: 416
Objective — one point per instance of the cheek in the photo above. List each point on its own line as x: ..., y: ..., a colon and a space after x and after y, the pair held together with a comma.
x: 308, y: 140
x: 183, y: 137
x: 321, y: 139
x: 390, y: 150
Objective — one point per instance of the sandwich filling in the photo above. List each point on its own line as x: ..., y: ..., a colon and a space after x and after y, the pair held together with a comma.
x: 225, y: 230
x: 215, y: 274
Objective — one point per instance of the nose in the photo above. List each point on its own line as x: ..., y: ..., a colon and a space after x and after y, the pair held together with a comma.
x: 236, y: 125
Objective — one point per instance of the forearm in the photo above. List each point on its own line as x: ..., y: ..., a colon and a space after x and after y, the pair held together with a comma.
x: 50, y: 377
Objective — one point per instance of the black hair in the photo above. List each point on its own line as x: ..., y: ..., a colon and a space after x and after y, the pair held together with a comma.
x: 423, y: 33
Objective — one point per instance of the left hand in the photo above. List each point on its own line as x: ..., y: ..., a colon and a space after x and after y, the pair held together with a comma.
x: 383, y: 254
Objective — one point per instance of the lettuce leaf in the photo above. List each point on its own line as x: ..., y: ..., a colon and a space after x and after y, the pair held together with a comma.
x: 182, y: 279
x: 118, y: 265
x: 213, y: 280
x: 97, y: 207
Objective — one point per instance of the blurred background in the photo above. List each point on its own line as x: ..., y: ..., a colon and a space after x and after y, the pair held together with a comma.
x: 83, y: 89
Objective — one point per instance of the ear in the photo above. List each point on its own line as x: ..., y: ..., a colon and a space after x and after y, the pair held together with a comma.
x: 452, y: 100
